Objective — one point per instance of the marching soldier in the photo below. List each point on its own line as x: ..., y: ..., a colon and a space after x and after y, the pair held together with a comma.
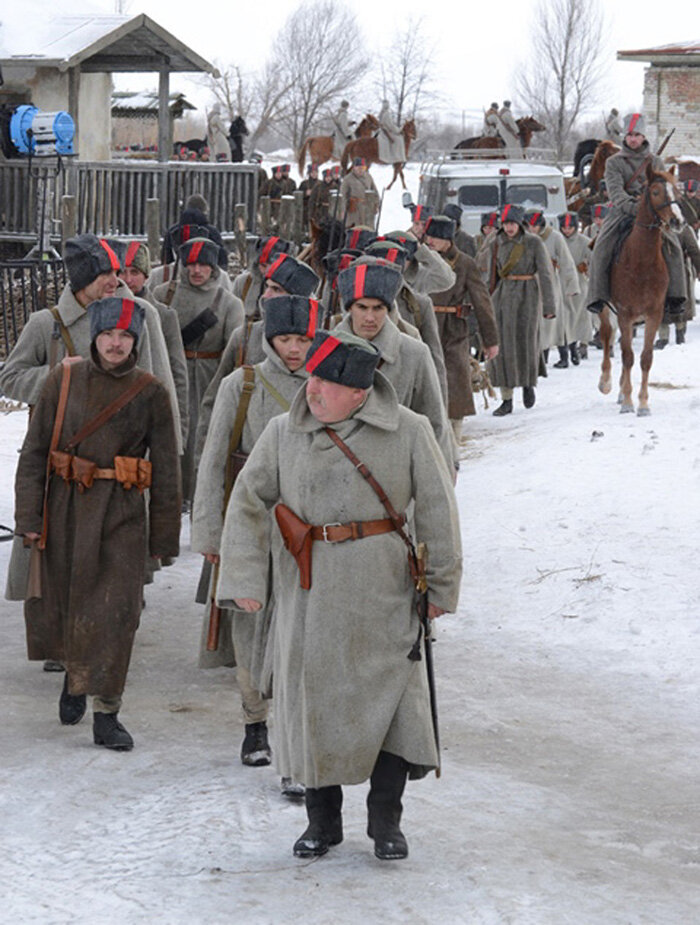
x: 320, y: 199
x: 345, y: 719
x: 306, y: 187
x: 463, y: 242
x: 577, y: 321
x: 356, y: 209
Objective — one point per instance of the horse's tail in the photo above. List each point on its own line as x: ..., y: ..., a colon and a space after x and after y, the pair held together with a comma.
x: 302, y: 156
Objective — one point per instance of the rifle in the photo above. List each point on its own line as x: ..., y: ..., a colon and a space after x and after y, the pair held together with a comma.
x: 664, y: 143
x: 420, y: 559
x: 329, y: 312
x: 493, y: 281
x: 379, y: 211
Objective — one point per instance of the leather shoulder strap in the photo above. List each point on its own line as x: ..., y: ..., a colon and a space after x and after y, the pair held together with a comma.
x: 642, y: 166
x: 237, y: 429
x: 269, y: 387
x: 138, y: 385
x: 65, y: 335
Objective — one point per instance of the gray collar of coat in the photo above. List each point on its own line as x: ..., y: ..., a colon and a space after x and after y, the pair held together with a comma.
x: 381, y: 410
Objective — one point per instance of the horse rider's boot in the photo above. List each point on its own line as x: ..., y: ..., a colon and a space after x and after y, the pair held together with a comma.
x: 575, y: 355
x: 661, y: 343
x: 71, y: 707
x: 506, y: 407
x: 597, y: 307
x: 457, y: 429
x: 384, y: 807
x: 528, y: 396
x: 563, y: 361
x: 325, y: 828
x: 675, y: 305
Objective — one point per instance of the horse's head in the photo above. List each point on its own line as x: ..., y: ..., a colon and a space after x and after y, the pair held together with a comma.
x: 661, y: 194
x: 530, y: 124
x: 369, y: 122
x: 409, y: 129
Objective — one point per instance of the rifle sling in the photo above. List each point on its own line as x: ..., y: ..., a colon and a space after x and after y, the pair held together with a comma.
x: 642, y: 166
x: 515, y: 255
x: 65, y: 335
x: 237, y: 429
x: 280, y: 399
x: 109, y: 410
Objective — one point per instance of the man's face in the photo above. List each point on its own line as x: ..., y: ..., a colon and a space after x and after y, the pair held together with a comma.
x: 511, y: 228
x: 359, y: 170
x: 368, y: 317
x: 634, y: 140
x: 599, y: 220
x: 133, y: 278
x: 568, y: 232
x: 330, y: 402
x: 198, y: 273
x: 291, y: 349
x: 113, y: 347
x: 102, y: 287
x: 418, y: 229
x: 437, y: 244
x: 486, y: 230
x: 273, y: 289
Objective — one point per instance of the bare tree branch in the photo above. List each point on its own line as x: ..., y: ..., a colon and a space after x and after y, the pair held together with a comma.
x: 406, y: 72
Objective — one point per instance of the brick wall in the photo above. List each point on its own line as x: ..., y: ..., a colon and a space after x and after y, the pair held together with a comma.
x: 672, y: 100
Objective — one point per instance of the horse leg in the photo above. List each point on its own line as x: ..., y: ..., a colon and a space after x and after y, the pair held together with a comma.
x: 606, y: 333
x: 403, y: 181
x: 651, y: 326
x: 626, y: 404
x: 392, y: 179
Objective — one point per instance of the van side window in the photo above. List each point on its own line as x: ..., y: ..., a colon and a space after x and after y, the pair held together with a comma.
x: 530, y: 195
x: 479, y: 195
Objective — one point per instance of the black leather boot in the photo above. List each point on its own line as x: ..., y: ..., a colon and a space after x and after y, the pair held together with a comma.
x: 384, y: 807
x: 528, y: 395
x: 675, y: 305
x: 680, y: 335
x: 563, y: 361
x: 255, y: 750
x: 325, y: 828
x: 504, y: 408
x: 71, y: 707
x: 108, y: 731
x: 575, y: 355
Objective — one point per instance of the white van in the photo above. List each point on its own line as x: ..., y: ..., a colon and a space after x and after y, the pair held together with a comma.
x: 479, y: 186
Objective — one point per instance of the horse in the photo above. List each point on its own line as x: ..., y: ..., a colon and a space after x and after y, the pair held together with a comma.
x: 196, y: 145
x: 320, y: 147
x: 583, y: 155
x: 576, y: 195
x: 236, y: 131
x: 596, y: 171
x: 368, y: 148
x: 638, y: 284
x: 527, y: 126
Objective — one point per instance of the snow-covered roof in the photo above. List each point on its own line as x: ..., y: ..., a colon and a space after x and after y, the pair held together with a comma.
x: 677, y: 53
x: 108, y: 43
x: 146, y: 100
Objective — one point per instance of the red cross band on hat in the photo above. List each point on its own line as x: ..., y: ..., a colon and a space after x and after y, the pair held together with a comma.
x: 313, y: 317
x: 196, y: 250
x: 535, y: 217
x: 633, y: 122
x: 493, y: 218
x: 267, y: 250
x: 113, y: 259
x: 568, y: 218
x: 131, y: 253
x: 392, y: 254
x: 274, y: 267
x: 355, y: 237
x: 325, y: 350
x: 417, y: 214
x: 360, y: 274
x: 127, y: 312
x: 504, y: 216
x: 185, y: 232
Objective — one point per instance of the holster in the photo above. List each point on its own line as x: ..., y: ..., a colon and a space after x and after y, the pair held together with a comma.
x: 582, y: 267
x: 133, y: 470
x: 198, y: 326
x: 296, y: 535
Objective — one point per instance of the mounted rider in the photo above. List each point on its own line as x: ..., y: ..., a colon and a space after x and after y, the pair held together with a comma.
x: 509, y: 131
x: 491, y: 122
x: 625, y: 179
x: 390, y: 140
x: 342, y: 133
x: 613, y: 129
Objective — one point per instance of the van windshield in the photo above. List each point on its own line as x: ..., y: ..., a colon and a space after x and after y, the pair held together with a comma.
x: 479, y: 196
x: 530, y: 195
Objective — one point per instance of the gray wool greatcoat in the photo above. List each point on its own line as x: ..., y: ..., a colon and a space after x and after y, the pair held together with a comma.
x: 189, y: 302
x: 253, y: 334
x: 344, y: 687
x: 407, y: 364
x: 578, y: 322
x: 518, y: 305
x: 243, y: 637
x: 163, y: 274
x: 428, y: 272
x: 469, y: 290
x: 93, y: 564
x: 553, y: 331
x: 248, y: 286
x: 355, y: 205
x: 417, y: 309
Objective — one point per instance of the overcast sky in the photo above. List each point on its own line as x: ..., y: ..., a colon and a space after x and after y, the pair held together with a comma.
x: 478, y: 46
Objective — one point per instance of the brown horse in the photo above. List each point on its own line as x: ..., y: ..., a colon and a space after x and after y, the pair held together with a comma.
x: 369, y: 149
x: 527, y: 126
x: 320, y: 147
x: 596, y: 171
x: 638, y: 284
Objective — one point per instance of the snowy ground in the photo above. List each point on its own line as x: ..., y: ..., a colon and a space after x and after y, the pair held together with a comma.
x: 568, y: 686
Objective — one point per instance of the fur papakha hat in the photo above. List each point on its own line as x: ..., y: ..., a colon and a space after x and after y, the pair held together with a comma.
x: 358, y: 237
x: 440, y: 226
x: 342, y: 357
x: 295, y: 277
x: 86, y: 257
x: 200, y: 250
x: 291, y: 314
x: 107, y: 314
x: 369, y: 281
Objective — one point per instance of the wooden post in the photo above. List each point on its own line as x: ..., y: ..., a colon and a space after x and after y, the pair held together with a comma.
x: 164, y: 137
x: 69, y: 227
x: 265, y: 215
x: 153, y: 228
x: 239, y: 227
x: 298, y: 218
x: 286, y: 217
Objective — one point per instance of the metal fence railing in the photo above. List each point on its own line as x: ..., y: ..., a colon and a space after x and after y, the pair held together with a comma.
x: 25, y: 287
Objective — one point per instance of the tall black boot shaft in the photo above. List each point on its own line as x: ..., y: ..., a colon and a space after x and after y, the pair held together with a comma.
x: 384, y: 807
x: 325, y: 828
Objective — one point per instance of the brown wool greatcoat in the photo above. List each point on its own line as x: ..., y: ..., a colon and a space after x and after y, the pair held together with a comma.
x: 468, y: 290
x: 518, y: 304
x: 93, y: 564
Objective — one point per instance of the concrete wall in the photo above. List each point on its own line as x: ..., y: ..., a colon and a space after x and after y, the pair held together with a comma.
x: 672, y: 100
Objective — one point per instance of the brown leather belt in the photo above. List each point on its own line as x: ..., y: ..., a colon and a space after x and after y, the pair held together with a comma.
x: 458, y: 310
x: 521, y: 277
x: 357, y: 530
x: 203, y: 354
x: 128, y: 470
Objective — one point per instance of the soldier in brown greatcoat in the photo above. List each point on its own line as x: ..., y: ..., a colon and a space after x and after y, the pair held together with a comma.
x: 320, y: 199
x: 452, y: 308
x: 307, y: 187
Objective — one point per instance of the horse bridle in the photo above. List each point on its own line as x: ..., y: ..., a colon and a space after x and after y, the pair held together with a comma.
x: 667, y: 202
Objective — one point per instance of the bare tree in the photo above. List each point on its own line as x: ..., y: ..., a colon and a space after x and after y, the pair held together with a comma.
x: 320, y: 55
x: 406, y: 72
x: 565, y: 66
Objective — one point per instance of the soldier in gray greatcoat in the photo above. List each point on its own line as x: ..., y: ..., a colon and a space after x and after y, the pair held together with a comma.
x: 625, y: 179
x: 355, y: 206
x: 350, y: 704
x: 342, y: 133
x: 521, y: 281
x: 509, y: 131
x: 579, y: 329
x: 425, y: 271
x: 490, y: 129
x: 390, y: 141
x: 207, y: 315
x: 613, y: 129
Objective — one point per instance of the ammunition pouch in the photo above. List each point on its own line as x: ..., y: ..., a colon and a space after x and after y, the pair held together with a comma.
x: 129, y: 471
